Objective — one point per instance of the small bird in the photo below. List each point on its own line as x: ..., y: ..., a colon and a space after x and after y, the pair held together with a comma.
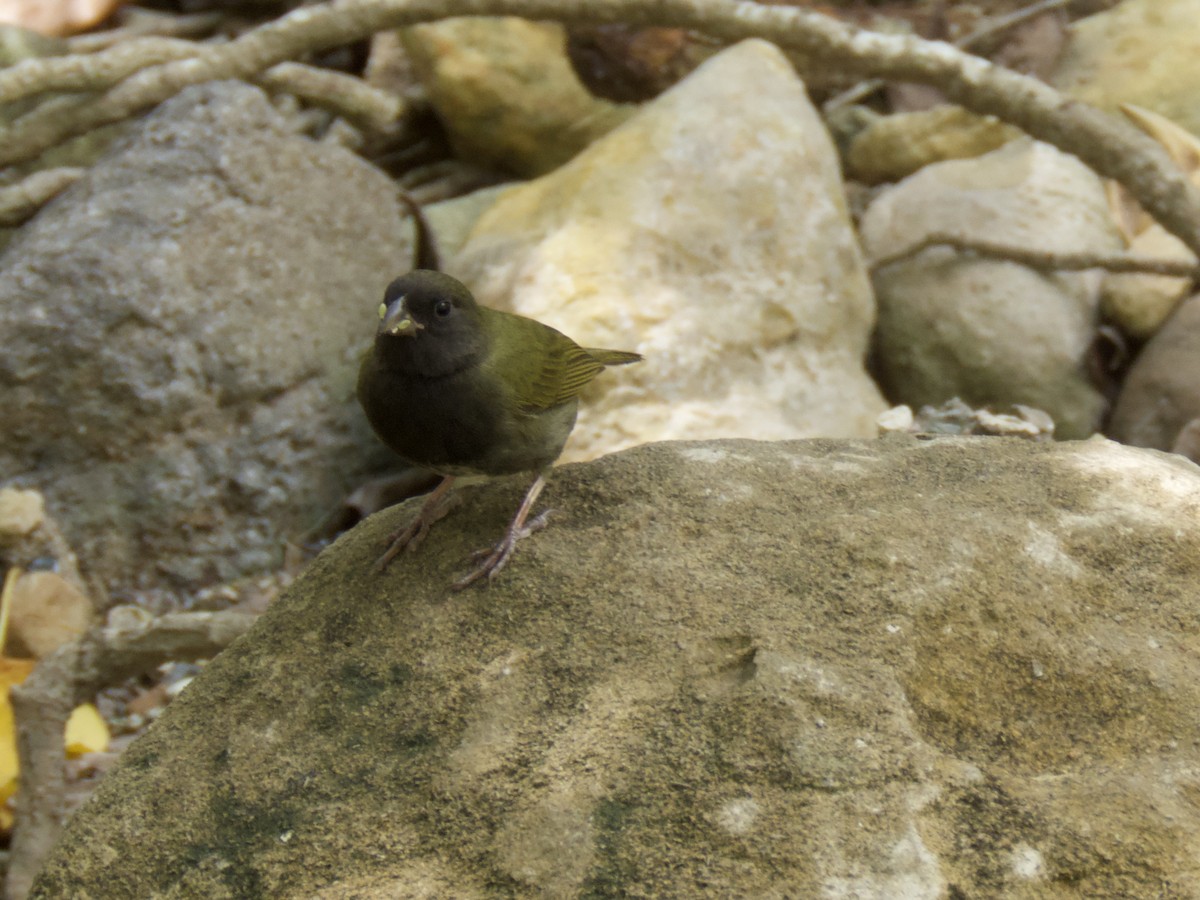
x: 462, y: 389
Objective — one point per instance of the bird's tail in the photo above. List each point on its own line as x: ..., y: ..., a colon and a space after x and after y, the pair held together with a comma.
x: 613, y: 357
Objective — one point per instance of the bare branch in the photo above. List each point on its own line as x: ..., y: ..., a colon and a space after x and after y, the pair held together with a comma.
x: 351, y: 98
x: 22, y: 200
x: 90, y: 72
x: 145, y: 23
x: 1048, y: 260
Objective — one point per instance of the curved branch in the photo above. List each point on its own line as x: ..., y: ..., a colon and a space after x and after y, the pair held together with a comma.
x: 1110, y: 146
x: 1047, y: 260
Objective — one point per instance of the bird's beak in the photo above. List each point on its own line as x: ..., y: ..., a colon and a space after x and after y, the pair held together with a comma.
x: 397, y: 321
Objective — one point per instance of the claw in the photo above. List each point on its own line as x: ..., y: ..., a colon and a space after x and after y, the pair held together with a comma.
x: 435, y: 507
x: 492, y: 560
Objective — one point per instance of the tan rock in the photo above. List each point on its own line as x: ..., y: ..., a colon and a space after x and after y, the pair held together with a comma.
x: 725, y: 255
x: 1138, y: 304
x: 47, y: 611
x: 21, y: 512
x: 1141, y: 51
x: 506, y: 93
x: 884, y: 669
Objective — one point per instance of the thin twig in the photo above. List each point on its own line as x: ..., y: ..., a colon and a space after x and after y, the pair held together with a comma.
x: 992, y: 27
x: 376, y: 111
x: 93, y: 71
x: 1046, y: 260
x: 143, y: 23
x: 21, y: 201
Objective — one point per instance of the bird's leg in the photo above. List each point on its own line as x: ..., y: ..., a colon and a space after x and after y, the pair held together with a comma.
x: 436, y: 505
x: 495, y: 559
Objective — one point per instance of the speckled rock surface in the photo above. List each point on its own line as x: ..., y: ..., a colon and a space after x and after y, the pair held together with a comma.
x: 897, y: 668
x: 726, y: 256
x: 182, y: 330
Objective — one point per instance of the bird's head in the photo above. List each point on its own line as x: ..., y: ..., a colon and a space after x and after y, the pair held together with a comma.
x: 431, y: 320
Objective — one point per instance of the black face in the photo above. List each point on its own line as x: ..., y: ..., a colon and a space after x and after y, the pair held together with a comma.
x: 430, y: 322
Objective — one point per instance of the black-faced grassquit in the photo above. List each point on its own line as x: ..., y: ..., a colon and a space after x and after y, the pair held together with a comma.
x: 462, y: 389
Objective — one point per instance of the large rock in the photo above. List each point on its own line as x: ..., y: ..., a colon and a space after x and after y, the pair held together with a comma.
x: 1143, y: 52
x: 993, y: 332
x: 899, y: 668
x: 181, y: 332
x: 724, y: 254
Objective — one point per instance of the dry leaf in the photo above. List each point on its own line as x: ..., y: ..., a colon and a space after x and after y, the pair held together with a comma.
x: 87, y: 732
x: 1180, y: 144
x: 1139, y: 303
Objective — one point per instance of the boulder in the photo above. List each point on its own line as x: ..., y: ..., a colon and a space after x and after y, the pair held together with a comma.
x: 726, y: 256
x: 506, y: 93
x: 182, y: 329
x: 894, y: 668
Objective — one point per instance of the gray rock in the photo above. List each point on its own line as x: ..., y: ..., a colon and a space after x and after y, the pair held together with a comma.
x: 726, y: 256
x: 731, y: 669
x: 181, y: 335
x: 1161, y: 393
x: 992, y: 332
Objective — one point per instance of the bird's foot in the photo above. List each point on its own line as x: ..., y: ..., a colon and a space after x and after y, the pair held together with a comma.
x: 491, y: 560
x: 436, y: 506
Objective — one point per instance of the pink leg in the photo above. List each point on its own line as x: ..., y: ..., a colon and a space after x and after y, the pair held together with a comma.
x: 436, y: 506
x: 495, y: 559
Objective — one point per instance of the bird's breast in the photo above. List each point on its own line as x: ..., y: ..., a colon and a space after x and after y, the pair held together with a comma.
x: 459, y: 424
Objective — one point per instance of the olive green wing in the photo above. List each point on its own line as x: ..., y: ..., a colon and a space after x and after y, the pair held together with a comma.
x: 539, y: 366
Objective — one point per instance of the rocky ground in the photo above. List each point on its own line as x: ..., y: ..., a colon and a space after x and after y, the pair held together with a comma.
x: 860, y: 667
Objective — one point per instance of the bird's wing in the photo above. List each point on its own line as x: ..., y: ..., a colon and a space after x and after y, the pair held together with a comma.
x: 540, y: 366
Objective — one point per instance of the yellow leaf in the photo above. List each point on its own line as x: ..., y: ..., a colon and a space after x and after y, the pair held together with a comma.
x: 12, y: 671
x: 87, y: 732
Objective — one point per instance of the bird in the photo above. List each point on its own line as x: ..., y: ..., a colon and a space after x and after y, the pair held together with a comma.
x: 461, y: 389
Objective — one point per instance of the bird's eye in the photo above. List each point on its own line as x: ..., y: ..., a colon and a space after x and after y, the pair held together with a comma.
x: 442, y: 308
